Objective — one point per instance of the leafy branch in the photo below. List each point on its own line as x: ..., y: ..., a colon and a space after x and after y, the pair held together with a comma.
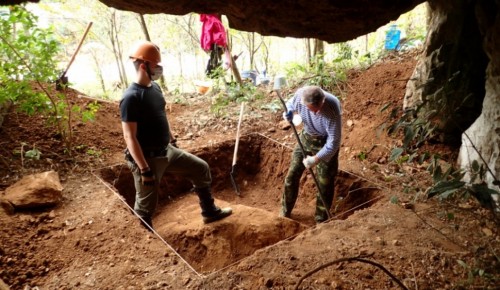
x: 36, y: 65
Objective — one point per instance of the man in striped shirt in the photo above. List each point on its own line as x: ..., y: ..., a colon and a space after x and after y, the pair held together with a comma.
x: 321, y: 115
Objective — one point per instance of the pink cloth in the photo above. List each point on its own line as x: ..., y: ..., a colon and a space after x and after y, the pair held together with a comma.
x: 212, y: 31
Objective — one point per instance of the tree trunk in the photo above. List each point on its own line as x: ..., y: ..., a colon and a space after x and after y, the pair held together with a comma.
x: 308, y: 51
x: 144, y: 27
x: 113, y: 37
x: 98, y: 71
x: 234, y: 69
x: 145, y: 30
x: 319, y: 47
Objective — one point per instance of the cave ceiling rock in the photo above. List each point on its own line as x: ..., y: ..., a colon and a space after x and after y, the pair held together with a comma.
x: 331, y: 21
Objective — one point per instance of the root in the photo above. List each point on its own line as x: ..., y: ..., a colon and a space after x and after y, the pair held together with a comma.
x: 349, y: 260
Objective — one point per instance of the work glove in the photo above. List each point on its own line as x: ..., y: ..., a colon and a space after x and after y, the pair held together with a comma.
x: 148, y: 178
x: 288, y: 116
x: 174, y: 143
x: 309, y: 161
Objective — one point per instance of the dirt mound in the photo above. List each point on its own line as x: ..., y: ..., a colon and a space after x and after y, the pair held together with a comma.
x: 211, y: 247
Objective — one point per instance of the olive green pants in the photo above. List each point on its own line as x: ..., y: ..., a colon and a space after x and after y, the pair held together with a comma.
x: 175, y: 161
x: 325, y: 174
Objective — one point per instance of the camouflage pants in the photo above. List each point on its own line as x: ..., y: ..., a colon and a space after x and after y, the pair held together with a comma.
x: 177, y: 162
x: 325, y: 174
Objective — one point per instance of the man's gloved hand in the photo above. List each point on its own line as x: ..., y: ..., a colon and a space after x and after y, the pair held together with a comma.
x: 174, y: 143
x: 288, y: 116
x: 147, y: 177
x: 309, y: 161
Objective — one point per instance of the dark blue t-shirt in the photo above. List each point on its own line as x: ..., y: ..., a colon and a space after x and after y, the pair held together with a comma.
x: 146, y: 106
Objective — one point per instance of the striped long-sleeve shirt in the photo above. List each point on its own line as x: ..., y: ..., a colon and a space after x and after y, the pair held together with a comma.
x: 327, y: 122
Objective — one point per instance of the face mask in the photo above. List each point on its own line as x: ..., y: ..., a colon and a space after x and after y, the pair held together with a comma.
x: 157, y: 73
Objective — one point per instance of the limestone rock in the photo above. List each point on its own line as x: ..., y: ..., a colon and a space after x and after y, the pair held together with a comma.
x: 332, y: 21
x: 34, y: 191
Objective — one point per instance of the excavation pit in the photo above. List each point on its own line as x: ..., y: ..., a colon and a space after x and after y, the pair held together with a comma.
x: 261, y: 168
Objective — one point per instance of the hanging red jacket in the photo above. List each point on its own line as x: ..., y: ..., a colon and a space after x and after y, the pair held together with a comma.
x: 212, y: 31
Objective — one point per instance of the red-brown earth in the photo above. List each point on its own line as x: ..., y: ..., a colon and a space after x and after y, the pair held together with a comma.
x: 92, y: 240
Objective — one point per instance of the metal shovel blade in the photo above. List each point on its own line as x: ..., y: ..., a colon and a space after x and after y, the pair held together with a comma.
x: 233, y: 174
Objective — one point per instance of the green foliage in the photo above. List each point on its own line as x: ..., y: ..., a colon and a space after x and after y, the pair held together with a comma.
x: 476, y: 272
x: 449, y: 184
x: 89, y: 113
x: 24, y: 43
x: 396, y: 153
x: 362, y: 155
x: 235, y: 93
x: 33, y: 154
x: 447, y: 180
x: 416, y: 128
x: 27, y: 55
x: 327, y: 75
x: 273, y: 106
x: 419, y: 126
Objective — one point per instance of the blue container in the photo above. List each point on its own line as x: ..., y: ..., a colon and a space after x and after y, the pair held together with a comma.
x: 392, y: 37
x: 250, y: 74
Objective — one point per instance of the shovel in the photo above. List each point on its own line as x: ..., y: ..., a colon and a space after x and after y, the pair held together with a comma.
x: 279, y: 81
x: 233, y: 168
x: 63, y: 79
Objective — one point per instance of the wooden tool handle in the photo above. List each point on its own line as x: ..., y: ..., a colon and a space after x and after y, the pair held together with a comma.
x: 78, y: 48
x: 238, y: 134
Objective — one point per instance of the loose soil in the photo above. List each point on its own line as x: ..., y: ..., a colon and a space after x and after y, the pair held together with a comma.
x: 92, y: 239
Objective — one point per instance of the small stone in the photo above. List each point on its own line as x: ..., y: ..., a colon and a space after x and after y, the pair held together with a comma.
x: 7, y: 207
x: 382, y: 160
x: 380, y: 241
x: 487, y: 232
x: 269, y: 283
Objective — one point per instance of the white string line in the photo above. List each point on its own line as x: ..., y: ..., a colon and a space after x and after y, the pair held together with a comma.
x: 378, y: 185
x: 311, y: 228
x: 120, y: 197
x: 292, y: 237
x: 275, y: 141
x: 236, y: 262
x: 247, y: 257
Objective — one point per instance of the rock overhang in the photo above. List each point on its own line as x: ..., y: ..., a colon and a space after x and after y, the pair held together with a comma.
x: 331, y: 21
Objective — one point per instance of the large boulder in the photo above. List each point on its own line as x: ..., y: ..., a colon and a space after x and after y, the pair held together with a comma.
x: 481, y: 141
x: 449, y: 77
x: 35, y: 191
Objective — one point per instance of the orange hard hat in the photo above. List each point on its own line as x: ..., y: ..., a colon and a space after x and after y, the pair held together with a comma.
x: 147, y: 51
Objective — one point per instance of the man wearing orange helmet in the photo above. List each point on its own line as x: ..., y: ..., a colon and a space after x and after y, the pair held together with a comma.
x: 150, y: 147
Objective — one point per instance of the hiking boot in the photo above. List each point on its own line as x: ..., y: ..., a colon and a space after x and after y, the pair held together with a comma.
x: 320, y: 217
x: 147, y: 222
x: 217, y: 215
x: 209, y: 210
x: 284, y: 213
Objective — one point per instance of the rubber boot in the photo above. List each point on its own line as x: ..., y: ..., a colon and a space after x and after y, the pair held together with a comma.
x: 209, y: 211
x: 146, y: 220
x: 284, y: 213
